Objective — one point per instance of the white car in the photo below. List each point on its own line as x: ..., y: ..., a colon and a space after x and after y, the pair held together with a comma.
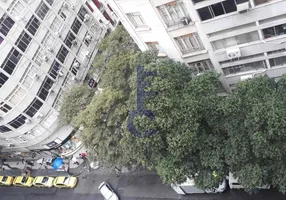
x: 107, y: 192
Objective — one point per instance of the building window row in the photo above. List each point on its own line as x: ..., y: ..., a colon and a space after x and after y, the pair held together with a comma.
x: 4, y: 129
x: 278, y: 62
x: 76, y: 25
x: 62, y: 54
x: 49, y: 41
x: 33, y: 108
x: 56, y: 25
x: 81, y: 13
x: 54, y: 70
x: 201, y: 66
x: 45, y: 88
x: 217, y: 9
x: 50, y: 2
x: 173, y: 12
x: 4, y: 108
x: 6, y: 23
x: 18, y: 121
x: 16, y: 8
x: 254, y: 66
x: 33, y: 25
x: 39, y: 56
x: 189, y: 43
x: 42, y: 10
x: 29, y: 76
x: 236, y: 40
x: 70, y: 39
x: 23, y: 41
x: 136, y: 19
x: 3, y: 79
x: 11, y: 61
x: 16, y: 95
x: 274, y: 31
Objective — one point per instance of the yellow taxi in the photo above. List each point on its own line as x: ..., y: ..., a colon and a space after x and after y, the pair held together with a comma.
x: 23, y: 181
x: 43, y: 181
x: 65, y: 182
x: 6, y: 180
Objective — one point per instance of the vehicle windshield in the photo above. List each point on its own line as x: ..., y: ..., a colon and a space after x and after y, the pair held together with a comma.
x: 66, y: 180
x: 24, y: 179
x: 4, y: 178
x: 45, y: 179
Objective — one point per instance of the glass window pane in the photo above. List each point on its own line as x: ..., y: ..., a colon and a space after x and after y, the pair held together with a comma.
x: 268, y: 32
x: 217, y: 9
x: 204, y: 13
x: 229, y: 6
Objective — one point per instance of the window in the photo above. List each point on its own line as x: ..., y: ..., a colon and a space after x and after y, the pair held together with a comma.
x: 173, y: 12
x: 244, y: 67
x: 56, y: 25
x: 154, y: 46
x: 4, y: 129
x: 1, y: 40
x: 81, y: 13
x: 6, y: 23
x: 23, y: 41
x: 274, y: 31
x: 18, y: 122
x: 136, y: 19
x: 59, y: 100
x: 54, y: 70
x: 16, y: 95
x: 42, y: 10
x: 28, y: 77
x: 258, y: 2
x: 4, y: 107
x: 45, y: 87
x: 11, y: 61
x: 48, y: 40
x: 73, y: 69
x: 3, y: 79
x: 24, y: 180
x: 276, y: 62
x: 197, y: 1
x: 76, y: 26
x: 236, y: 40
x: 69, y: 40
x: 217, y: 9
x: 87, y: 39
x: 33, y: 108
x: 62, y: 54
x: 50, y: 119
x: 189, y: 43
x: 33, y: 25
x: 16, y: 8
x: 242, y: 58
x: 38, y: 58
x: 201, y: 66
x: 63, y: 13
x: 50, y: 2
x: 95, y: 29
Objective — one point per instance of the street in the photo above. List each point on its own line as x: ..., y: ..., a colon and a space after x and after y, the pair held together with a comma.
x: 128, y: 187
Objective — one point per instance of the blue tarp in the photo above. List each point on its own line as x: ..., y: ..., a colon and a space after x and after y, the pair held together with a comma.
x: 58, y: 162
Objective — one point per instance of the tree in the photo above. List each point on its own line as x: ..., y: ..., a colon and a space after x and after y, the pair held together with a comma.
x: 189, y: 141
x: 75, y: 100
x: 255, y: 117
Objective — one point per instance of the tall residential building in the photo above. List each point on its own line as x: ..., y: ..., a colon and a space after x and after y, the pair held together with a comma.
x: 45, y: 47
x: 238, y: 38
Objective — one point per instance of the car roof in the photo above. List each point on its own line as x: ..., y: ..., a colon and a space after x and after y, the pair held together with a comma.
x: 105, y: 191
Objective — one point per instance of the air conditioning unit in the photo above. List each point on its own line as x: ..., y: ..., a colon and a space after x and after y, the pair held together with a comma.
x: 46, y: 58
x: 50, y: 49
x: 88, y: 54
x: 86, y: 17
x: 233, y: 53
x: 36, y: 76
x: 65, y: 5
x: 72, y: 7
x: 185, y: 20
x: 28, y: 121
x: 58, y: 33
x: 76, y: 65
x: 246, y: 77
x: 74, y: 42
x: 243, y: 7
x: 51, y: 91
x: 60, y: 73
x: 88, y: 37
x: 39, y: 115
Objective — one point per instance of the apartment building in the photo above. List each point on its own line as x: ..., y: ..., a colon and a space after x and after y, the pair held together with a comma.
x: 238, y: 38
x: 46, y: 46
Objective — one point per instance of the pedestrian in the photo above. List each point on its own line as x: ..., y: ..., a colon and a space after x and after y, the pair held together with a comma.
x: 74, y: 159
x: 83, y: 155
x: 23, y: 160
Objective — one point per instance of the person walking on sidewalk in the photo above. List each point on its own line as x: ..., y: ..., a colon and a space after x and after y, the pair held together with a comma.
x: 74, y: 159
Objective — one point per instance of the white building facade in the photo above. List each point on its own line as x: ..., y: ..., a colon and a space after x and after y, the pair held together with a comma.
x: 237, y: 38
x: 46, y: 46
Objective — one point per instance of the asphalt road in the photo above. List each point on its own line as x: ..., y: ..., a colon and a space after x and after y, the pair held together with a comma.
x: 130, y: 187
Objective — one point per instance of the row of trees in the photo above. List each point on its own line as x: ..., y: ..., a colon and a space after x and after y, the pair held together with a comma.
x: 198, y: 132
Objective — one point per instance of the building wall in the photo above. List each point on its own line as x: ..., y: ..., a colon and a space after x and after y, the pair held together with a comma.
x: 59, y: 42
x: 221, y: 28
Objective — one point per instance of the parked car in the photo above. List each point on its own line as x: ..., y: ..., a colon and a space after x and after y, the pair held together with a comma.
x: 65, y: 182
x: 6, y: 180
x: 43, y: 181
x: 107, y: 192
x: 23, y: 181
x: 234, y: 183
